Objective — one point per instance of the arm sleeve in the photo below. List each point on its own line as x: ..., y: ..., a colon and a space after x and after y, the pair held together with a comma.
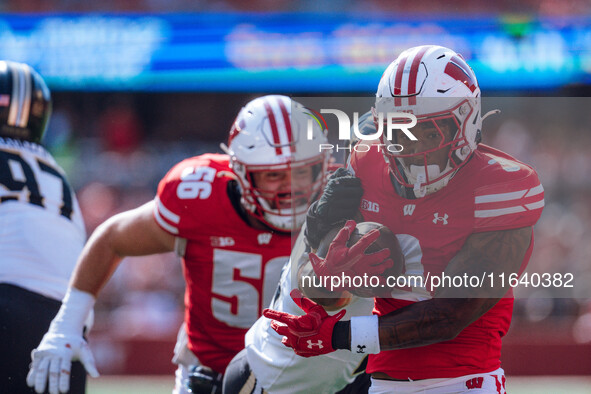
x: 174, y: 211
x: 511, y: 203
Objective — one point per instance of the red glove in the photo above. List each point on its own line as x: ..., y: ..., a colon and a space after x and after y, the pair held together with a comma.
x: 309, y: 335
x: 342, y: 260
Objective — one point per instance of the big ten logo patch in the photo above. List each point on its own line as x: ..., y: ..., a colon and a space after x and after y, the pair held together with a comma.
x: 221, y: 242
x: 370, y: 206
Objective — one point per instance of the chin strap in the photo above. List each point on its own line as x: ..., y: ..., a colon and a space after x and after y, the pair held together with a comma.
x: 420, y: 191
x: 225, y: 148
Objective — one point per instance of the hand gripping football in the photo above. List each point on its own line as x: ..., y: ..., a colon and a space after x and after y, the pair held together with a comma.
x: 377, y: 286
x: 387, y: 240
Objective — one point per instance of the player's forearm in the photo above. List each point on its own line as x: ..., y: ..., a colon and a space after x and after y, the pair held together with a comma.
x: 424, y: 323
x: 443, y: 318
x: 131, y: 233
x: 420, y: 324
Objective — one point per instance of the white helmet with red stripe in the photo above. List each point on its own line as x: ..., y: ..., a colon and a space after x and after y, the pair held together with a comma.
x: 436, y: 85
x: 271, y: 133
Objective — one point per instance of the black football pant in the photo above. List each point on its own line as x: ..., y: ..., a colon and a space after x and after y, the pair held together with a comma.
x: 24, y: 319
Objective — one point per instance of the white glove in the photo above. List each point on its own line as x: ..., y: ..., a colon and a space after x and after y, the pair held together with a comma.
x: 54, y: 357
x: 61, y: 344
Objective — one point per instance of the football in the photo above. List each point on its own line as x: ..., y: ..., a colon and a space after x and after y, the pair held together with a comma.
x: 387, y: 240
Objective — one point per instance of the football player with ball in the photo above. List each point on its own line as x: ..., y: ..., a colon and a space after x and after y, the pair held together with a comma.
x: 470, y: 208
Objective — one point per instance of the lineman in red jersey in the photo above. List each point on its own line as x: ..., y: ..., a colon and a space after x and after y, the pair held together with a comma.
x: 470, y: 207
x: 229, y: 217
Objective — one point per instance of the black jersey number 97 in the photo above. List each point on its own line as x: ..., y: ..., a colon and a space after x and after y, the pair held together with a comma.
x: 30, y: 181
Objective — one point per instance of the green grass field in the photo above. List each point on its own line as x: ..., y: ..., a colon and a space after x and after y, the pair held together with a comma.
x: 515, y: 385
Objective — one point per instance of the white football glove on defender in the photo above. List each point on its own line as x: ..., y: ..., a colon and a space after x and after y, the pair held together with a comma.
x: 63, y: 343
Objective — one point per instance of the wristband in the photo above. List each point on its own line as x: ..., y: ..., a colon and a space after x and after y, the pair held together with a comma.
x: 75, y: 310
x: 365, y: 334
x: 341, y: 335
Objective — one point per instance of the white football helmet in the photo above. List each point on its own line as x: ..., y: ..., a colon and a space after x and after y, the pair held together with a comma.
x: 433, y: 83
x: 271, y: 133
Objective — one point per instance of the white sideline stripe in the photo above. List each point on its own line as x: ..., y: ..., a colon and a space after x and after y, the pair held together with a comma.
x: 508, y: 196
x: 487, y: 213
x: 167, y: 213
x: 536, y: 190
x: 165, y: 225
x: 499, y: 197
x: 535, y: 205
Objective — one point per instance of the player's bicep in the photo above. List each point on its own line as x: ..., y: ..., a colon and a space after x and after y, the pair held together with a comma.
x: 131, y: 233
x: 136, y: 233
x: 484, y: 256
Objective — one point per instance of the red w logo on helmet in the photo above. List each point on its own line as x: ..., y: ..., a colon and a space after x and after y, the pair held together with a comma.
x: 459, y: 70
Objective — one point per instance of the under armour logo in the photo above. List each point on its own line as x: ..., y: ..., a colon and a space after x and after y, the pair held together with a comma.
x: 409, y: 209
x: 319, y: 344
x: 360, y: 348
x: 438, y: 218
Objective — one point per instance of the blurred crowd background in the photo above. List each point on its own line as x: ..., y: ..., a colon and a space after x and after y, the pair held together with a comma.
x: 117, y: 143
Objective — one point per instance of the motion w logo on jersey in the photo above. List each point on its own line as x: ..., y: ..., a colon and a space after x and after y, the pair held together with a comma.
x: 264, y: 238
x: 409, y: 209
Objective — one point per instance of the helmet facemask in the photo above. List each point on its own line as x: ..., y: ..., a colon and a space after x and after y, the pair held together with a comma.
x: 445, y: 147
x: 282, y: 209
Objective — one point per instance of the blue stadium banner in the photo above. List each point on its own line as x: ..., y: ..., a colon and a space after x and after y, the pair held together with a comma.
x: 285, y: 52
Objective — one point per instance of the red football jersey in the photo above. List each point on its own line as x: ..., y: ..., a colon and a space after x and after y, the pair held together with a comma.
x: 231, y: 269
x: 493, y: 191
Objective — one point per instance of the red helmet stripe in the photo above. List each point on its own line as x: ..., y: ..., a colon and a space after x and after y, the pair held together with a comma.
x: 398, y: 82
x: 459, y: 70
x: 274, y: 130
x: 234, y: 131
x: 412, y: 79
x: 287, y: 123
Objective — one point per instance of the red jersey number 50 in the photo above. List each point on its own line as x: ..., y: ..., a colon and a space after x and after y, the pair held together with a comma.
x: 242, y: 286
